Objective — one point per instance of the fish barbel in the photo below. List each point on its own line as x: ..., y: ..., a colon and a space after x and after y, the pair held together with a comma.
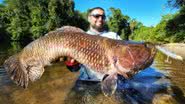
x: 105, y: 56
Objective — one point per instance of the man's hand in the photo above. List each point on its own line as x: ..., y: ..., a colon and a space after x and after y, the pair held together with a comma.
x: 72, y: 64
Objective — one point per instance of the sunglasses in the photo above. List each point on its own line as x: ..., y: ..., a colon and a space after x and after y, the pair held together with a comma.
x: 98, y: 16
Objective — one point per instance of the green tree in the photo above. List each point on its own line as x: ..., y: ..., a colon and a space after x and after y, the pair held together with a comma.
x: 154, y: 34
x: 80, y: 20
x: 134, y: 24
x: 159, y: 34
x: 67, y: 12
x: 54, y: 19
x: 60, y: 12
x: 30, y: 19
x: 176, y: 27
x: 176, y: 3
x: 39, y: 17
x: 3, y: 20
x: 143, y: 33
x: 117, y: 22
x: 19, y: 19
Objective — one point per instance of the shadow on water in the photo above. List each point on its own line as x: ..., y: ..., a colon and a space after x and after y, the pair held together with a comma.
x: 179, y: 95
x: 143, y: 86
x: 175, y: 71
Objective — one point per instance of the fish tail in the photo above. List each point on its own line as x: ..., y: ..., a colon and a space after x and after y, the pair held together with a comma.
x: 16, y: 71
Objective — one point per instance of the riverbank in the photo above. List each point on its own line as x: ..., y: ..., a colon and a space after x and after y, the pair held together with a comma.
x: 177, y: 48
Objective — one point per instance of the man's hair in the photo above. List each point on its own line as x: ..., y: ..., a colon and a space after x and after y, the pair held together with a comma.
x: 90, y: 10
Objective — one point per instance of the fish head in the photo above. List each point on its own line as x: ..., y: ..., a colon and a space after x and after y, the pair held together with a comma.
x: 129, y: 58
x: 126, y: 59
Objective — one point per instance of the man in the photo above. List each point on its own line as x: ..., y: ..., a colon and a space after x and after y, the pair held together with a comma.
x: 96, y: 18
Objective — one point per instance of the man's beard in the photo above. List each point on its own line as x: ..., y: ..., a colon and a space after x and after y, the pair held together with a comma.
x: 100, y: 29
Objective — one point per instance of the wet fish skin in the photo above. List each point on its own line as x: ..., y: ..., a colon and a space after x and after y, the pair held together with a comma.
x: 103, y: 55
x: 28, y: 65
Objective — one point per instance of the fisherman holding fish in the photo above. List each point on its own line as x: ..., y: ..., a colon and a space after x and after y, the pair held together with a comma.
x: 124, y: 58
x: 96, y: 19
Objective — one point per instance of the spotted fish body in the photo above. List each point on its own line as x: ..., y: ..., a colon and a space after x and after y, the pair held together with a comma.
x: 103, y: 55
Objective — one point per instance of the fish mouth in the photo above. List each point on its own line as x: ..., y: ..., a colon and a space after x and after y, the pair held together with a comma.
x: 153, y: 50
x: 151, y: 57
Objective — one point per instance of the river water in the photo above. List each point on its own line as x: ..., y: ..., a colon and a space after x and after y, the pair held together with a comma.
x: 162, y: 83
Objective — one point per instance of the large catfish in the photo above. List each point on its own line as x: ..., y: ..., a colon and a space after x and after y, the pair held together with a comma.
x: 107, y: 57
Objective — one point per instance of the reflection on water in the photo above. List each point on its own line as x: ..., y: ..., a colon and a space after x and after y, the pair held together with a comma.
x: 175, y: 71
x: 162, y: 83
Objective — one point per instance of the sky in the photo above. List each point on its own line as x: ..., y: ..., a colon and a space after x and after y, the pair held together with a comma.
x: 148, y: 12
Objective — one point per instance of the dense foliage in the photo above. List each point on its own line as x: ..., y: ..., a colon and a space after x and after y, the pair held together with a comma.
x: 22, y: 20
x: 29, y: 19
x: 170, y: 29
x: 119, y: 23
x: 176, y: 3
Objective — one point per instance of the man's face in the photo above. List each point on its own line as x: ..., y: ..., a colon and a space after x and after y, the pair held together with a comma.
x: 97, y: 19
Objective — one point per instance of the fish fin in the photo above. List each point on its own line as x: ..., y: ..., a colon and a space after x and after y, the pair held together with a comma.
x: 34, y: 68
x: 35, y: 71
x: 20, y: 73
x: 16, y: 71
x: 109, y: 84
